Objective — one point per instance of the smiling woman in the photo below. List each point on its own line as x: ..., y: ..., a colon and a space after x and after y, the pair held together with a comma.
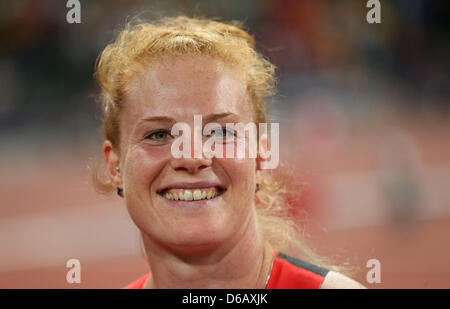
x: 206, y: 222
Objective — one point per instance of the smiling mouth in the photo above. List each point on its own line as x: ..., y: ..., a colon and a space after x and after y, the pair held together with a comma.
x: 192, y: 194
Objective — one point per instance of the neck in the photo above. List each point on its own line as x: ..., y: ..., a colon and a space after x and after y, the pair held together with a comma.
x: 242, y: 262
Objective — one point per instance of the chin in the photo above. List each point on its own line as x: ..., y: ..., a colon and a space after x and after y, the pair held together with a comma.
x: 201, y: 233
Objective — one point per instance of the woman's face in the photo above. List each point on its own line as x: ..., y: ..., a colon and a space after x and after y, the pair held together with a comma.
x: 165, y: 94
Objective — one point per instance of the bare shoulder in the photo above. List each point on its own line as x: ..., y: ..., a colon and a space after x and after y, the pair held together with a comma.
x: 335, y: 280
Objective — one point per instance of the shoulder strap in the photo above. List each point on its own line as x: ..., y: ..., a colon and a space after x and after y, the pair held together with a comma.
x: 305, y: 265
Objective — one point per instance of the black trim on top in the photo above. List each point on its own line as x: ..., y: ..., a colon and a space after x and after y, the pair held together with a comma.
x: 305, y: 265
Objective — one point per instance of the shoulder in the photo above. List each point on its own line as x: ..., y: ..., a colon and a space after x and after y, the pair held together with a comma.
x: 303, y: 265
x: 292, y: 273
x: 335, y: 280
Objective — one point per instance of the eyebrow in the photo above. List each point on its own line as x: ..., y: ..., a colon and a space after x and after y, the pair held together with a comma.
x: 208, y: 118
x: 213, y: 117
x: 158, y: 118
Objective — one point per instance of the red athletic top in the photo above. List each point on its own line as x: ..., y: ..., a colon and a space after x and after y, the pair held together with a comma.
x: 287, y: 273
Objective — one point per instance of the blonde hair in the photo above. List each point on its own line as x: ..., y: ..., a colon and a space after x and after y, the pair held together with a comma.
x: 139, y: 45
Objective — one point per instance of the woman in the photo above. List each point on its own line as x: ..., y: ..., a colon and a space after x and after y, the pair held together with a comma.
x: 206, y: 222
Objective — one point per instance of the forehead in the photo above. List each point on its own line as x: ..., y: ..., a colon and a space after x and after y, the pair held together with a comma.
x: 185, y: 85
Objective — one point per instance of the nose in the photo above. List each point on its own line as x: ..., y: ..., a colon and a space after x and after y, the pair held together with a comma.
x: 195, y: 161
x: 190, y: 165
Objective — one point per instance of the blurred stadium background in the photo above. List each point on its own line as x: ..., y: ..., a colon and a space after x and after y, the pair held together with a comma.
x: 363, y: 111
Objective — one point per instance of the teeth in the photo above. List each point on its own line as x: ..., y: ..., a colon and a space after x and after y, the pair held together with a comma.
x: 188, y: 195
x: 197, y: 194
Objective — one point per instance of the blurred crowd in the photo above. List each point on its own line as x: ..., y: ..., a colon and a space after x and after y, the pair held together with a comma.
x: 325, y: 52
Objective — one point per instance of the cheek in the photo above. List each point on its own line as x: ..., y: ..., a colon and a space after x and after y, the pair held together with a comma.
x: 144, y: 165
x: 241, y: 173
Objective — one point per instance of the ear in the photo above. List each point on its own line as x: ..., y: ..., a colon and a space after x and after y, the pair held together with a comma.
x: 112, y: 160
x: 262, y: 148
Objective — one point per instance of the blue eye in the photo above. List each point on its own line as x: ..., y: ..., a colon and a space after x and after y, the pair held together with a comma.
x: 223, y: 132
x: 160, y: 135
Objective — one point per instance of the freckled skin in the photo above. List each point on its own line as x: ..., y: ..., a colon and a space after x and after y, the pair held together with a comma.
x: 207, y: 247
x: 179, y: 88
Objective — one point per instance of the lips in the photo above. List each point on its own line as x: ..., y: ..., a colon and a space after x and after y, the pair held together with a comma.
x: 192, y: 191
